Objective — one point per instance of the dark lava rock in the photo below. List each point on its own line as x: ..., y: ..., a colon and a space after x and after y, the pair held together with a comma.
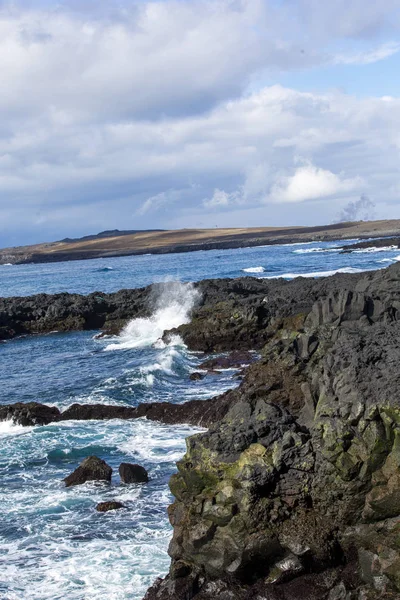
x: 295, y: 492
x: 86, y: 412
x: 234, y: 360
x: 90, y: 469
x: 31, y: 413
x: 378, y: 243
x: 130, y: 473
x: 196, y: 376
x: 110, y: 505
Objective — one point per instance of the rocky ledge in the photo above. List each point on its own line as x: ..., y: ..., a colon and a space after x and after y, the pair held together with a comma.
x: 295, y: 492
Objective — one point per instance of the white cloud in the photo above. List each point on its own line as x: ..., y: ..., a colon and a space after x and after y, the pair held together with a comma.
x: 139, y: 113
x: 310, y: 183
x: 221, y: 199
x: 161, y: 200
x: 369, y: 56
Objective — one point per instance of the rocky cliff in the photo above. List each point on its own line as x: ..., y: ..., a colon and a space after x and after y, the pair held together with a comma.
x: 295, y: 493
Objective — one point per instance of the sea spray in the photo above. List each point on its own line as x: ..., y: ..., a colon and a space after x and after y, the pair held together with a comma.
x: 173, y: 304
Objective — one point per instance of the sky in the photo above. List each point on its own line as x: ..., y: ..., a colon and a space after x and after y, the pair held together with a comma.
x: 137, y: 114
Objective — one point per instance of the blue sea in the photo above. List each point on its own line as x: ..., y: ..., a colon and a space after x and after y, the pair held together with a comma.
x: 54, y: 545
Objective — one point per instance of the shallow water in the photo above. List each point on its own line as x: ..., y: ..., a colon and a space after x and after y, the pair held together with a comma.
x: 54, y: 545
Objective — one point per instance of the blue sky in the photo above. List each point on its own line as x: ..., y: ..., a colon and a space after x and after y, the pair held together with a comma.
x: 196, y: 113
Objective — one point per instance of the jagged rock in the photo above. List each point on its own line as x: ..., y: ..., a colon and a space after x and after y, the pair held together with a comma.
x: 131, y: 473
x: 31, y: 413
x: 234, y: 360
x: 109, y: 505
x: 302, y: 474
x: 90, y: 469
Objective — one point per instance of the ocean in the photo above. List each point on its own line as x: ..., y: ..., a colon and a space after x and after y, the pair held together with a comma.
x: 54, y: 545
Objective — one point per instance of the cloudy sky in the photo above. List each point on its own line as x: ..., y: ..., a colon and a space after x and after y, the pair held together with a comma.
x: 196, y: 113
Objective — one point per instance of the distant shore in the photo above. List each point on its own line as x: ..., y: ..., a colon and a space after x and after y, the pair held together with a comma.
x: 120, y: 243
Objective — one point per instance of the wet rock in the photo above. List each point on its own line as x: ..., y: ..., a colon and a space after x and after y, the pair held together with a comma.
x: 90, y: 469
x: 196, y: 376
x: 110, y: 505
x: 234, y: 360
x: 302, y: 474
x: 132, y: 473
x: 31, y: 413
x: 85, y: 412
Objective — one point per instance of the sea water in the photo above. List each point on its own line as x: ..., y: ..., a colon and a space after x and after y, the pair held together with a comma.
x: 53, y: 543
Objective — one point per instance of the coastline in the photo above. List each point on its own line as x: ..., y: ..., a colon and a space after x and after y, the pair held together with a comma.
x: 293, y: 491
x: 180, y: 241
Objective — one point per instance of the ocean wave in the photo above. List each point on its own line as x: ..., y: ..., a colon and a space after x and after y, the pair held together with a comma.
x: 318, y: 250
x: 254, y: 270
x: 173, y: 308
x: 56, y: 534
x: 8, y: 428
x: 316, y: 273
x: 373, y: 249
x: 104, y: 269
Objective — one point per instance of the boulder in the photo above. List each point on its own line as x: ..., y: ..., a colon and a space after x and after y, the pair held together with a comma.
x: 90, y: 469
x: 196, y: 376
x: 131, y: 473
x: 31, y: 413
x: 110, y: 505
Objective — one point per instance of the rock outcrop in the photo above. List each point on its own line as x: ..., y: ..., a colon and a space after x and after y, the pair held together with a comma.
x: 30, y: 413
x: 109, y: 505
x: 132, y: 473
x: 90, y: 469
x: 295, y: 493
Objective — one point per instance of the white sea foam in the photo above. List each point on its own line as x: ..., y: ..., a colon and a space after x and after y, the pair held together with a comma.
x: 317, y: 250
x: 173, y: 307
x: 10, y: 428
x: 254, y: 270
x: 315, y: 274
x: 373, y: 249
x: 68, y: 550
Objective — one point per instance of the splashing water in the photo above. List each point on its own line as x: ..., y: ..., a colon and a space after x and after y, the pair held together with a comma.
x: 173, y: 307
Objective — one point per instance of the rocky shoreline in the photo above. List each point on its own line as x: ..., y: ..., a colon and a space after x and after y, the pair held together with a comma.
x: 293, y: 492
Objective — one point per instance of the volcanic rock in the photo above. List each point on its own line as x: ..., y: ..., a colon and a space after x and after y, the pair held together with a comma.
x: 295, y: 493
x: 90, y: 469
x: 234, y: 360
x: 31, y: 413
x: 196, y: 376
x: 110, y: 505
x: 132, y: 473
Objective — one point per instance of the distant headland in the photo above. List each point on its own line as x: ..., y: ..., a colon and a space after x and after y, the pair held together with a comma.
x: 136, y: 242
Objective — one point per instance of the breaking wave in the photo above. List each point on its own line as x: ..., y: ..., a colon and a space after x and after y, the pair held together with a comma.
x: 254, y: 270
x: 173, y: 307
x: 316, y: 273
x: 373, y: 249
x: 318, y: 250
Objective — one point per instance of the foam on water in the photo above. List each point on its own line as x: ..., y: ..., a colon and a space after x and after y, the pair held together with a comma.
x: 315, y: 273
x: 254, y: 270
x: 172, y: 308
x: 9, y: 428
x: 54, y: 544
x: 373, y: 249
x: 318, y: 250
